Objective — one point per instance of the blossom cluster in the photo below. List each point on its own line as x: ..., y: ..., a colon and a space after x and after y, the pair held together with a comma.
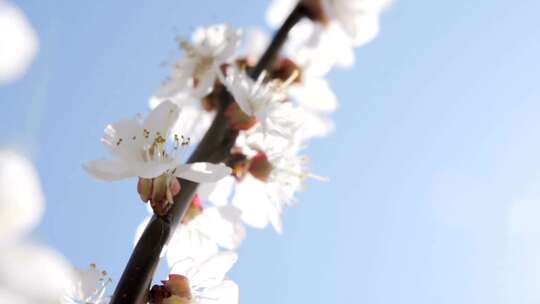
x: 270, y: 117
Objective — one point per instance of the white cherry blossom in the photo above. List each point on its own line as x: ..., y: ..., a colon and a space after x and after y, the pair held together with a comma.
x: 200, y: 238
x: 265, y: 101
x: 88, y: 286
x: 217, y: 226
x: 359, y: 19
x: 311, y: 93
x: 196, y: 73
x: 193, y: 118
x: 318, y: 48
x: 139, y: 148
x: 203, y: 282
x: 346, y: 24
x: 259, y: 208
x: 275, y: 174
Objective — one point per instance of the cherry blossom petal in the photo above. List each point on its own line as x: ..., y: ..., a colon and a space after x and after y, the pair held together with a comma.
x: 202, y: 172
x: 109, y: 170
x: 123, y: 138
x: 7, y: 296
x: 217, y: 193
x: 314, y: 94
x: 258, y: 210
x: 161, y: 120
x: 227, y: 292
x: 189, y: 244
x: 153, y: 168
x: 210, y: 272
x: 224, y: 225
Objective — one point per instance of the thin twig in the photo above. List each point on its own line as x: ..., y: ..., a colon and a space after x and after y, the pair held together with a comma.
x: 214, y: 147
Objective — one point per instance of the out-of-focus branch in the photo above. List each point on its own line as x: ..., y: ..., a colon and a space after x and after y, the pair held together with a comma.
x: 279, y: 39
x: 214, y: 147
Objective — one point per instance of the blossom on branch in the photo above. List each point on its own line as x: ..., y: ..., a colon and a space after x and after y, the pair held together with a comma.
x: 265, y: 101
x: 191, y: 282
x: 309, y: 90
x: 197, y: 71
x: 139, y: 148
x: 268, y: 176
x: 340, y: 25
x: 194, y: 118
x: 204, y: 230
x: 88, y: 286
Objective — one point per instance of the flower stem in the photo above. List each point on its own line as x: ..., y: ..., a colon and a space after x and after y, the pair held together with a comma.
x: 214, y: 147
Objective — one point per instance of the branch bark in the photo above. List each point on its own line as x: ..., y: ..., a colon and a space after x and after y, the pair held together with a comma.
x: 215, y: 146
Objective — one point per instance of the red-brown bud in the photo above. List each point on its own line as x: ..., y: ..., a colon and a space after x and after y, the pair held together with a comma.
x: 315, y: 11
x: 238, y: 119
x: 239, y: 164
x: 260, y: 167
x: 178, y: 285
x: 284, y: 69
x: 157, y: 294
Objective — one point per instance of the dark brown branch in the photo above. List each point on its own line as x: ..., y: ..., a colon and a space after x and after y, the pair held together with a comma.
x: 214, y: 147
x: 269, y: 57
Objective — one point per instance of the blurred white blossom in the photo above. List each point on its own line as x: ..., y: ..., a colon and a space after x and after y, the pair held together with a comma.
x: 33, y: 273
x: 18, y: 43
x: 342, y: 25
x: 21, y: 198
x: 29, y: 273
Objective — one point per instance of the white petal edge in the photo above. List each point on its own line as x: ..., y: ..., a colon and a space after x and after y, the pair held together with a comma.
x: 108, y: 170
x: 202, y: 172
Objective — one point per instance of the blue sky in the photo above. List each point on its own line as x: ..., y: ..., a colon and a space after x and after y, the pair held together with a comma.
x: 434, y: 163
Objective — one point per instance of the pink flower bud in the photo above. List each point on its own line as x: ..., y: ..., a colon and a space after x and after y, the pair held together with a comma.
x: 194, y: 210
